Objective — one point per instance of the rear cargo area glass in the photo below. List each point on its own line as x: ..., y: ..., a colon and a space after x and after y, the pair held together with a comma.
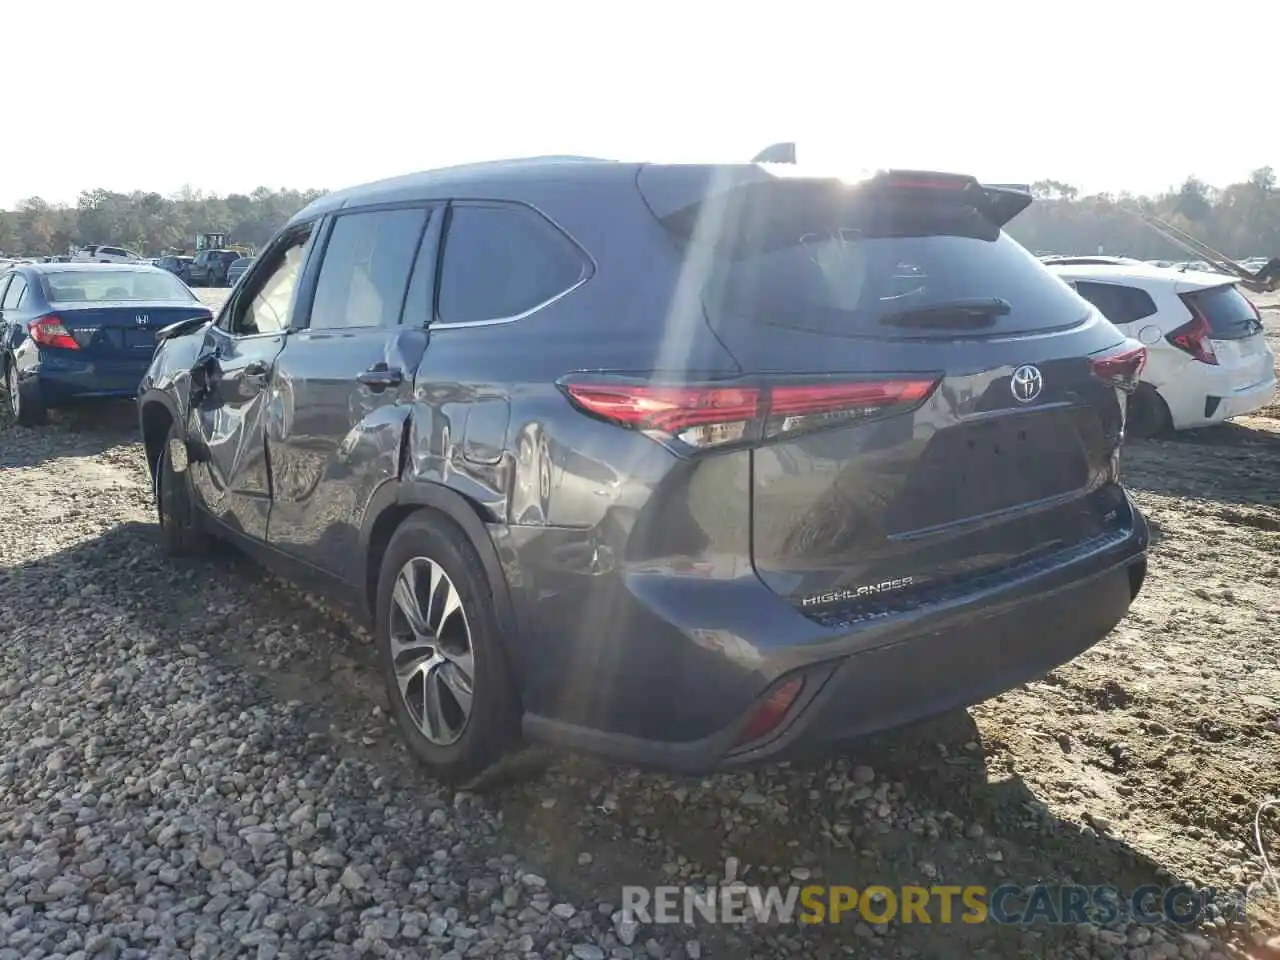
x: 837, y: 262
x: 1230, y: 314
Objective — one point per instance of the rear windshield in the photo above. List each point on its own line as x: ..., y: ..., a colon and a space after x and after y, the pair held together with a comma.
x: 89, y: 286
x: 839, y: 262
x: 1230, y: 314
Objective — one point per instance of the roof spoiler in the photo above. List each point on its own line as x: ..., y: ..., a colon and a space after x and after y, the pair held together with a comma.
x: 1006, y: 200
x: 1002, y: 201
x: 776, y: 153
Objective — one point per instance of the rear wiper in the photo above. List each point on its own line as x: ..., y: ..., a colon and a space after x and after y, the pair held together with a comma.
x: 969, y: 314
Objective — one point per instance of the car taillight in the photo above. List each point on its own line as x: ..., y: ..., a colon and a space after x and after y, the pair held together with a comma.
x: 1257, y: 314
x: 1120, y: 365
x: 708, y: 415
x: 48, y: 331
x: 1193, y: 337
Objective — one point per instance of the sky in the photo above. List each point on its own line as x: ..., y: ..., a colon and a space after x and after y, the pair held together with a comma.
x: 230, y: 96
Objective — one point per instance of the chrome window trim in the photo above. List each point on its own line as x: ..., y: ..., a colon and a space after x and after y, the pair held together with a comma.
x: 498, y: 321
x: 589, y: 264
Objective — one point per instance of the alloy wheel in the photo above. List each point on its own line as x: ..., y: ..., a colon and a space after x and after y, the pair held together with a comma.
x: 431, y: 651
x: 15, y: 394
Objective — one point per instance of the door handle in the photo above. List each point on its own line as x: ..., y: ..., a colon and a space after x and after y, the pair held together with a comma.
x: 380, y: 376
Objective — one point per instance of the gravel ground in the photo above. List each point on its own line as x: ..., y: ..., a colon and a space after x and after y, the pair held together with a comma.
x: 195, y: 759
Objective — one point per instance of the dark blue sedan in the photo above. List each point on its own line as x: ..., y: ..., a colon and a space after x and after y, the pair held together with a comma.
x: 77, y: 331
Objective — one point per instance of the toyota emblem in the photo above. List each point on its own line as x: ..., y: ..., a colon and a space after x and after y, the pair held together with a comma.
x: 1026, y: 383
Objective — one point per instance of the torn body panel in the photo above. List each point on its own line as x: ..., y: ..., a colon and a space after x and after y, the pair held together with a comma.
x: 333, y: 439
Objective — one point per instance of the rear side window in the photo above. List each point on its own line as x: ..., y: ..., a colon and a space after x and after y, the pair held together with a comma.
x: 1118, y: 303
x: 816, y: 257
x: 366, y: 269
x: 503, y: 261
x: 1230, y: 313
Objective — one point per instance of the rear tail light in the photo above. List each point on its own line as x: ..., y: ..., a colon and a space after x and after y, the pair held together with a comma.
x: 1194, y: 336
x: 708, y: 415
x: 1121, y: 366
x: 770, y: 712
x: 48, y: 331
x: 1257, y: 314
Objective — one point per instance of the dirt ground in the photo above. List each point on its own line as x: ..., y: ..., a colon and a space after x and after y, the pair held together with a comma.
x: 1144, y: 760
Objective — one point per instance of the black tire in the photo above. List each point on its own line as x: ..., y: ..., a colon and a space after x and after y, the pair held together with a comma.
x: 25, y: 406
x: 180, y: 532
x: 492, y: 727
x: 1148, y: 416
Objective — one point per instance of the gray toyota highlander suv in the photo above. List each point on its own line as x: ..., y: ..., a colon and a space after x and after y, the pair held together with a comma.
x: 690, y: 466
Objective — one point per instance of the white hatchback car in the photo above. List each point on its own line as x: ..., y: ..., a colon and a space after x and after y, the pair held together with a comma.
x: 1207, y: 354
x: 97, y: 253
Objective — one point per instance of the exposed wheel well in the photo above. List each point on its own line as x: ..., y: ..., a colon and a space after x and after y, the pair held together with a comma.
x: 156, y: 421
x: 1149, y: 415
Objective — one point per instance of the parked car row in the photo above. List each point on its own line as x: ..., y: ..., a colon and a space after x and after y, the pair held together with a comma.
x: 689, y: 466
x: 208, y: 268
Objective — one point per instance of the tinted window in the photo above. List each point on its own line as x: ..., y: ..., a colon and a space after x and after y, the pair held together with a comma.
x: 814, y: 257
x: 501, y: 262
x: 268, y: 307
x: 86, y: 286
x: 366, y: 269
x: 13, y: 296
x: 1230, y: 313
x: 1118, y: 303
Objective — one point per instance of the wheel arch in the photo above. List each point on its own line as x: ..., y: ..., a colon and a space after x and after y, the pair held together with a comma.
x: 156, y: 414
x: 397, y: 500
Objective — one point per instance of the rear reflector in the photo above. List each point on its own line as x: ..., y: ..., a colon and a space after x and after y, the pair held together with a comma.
x: 770, y: 712
x: 1121, y: 365
x: 707, y: 415
x: 48, y: 331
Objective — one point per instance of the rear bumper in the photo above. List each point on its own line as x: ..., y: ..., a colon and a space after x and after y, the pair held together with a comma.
x: 894, y: 670
x: 1226, y: 394
x: 59, y: 379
